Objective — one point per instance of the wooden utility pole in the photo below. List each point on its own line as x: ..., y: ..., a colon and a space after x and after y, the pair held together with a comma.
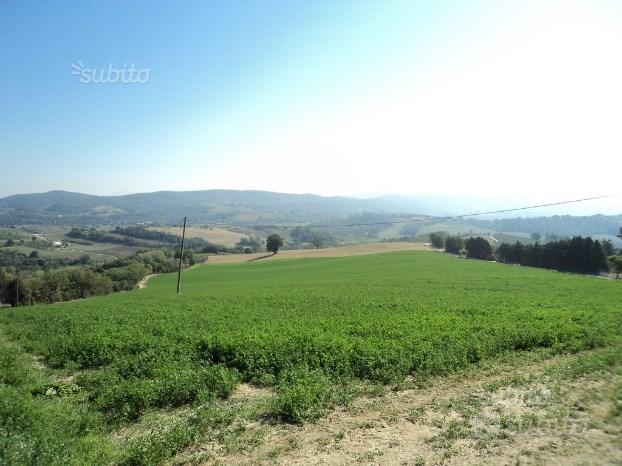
x: 181, y: 256
x: 16, y: 288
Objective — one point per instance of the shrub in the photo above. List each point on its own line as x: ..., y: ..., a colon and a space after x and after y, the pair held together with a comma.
x: 38, y: 430
x: 171, y: 385
x: 302, y: 395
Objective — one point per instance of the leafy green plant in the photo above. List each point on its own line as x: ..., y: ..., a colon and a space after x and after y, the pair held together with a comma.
x: 302, y: 395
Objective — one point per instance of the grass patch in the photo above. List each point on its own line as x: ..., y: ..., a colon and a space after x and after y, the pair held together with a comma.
x: 303, y: 395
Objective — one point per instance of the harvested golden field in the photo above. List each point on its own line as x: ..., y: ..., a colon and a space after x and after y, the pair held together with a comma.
x: 341, y: 251
x: 212, y: 234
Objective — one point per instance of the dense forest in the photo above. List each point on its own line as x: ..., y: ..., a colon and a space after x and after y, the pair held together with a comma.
x: 24, y: 283
x: 578, y: 254
x: 34, y: 261
x: 139, y: 236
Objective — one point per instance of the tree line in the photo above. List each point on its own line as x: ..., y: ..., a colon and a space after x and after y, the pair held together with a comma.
x: 131, y: 236
x: 577, y: 254
x: 30, y: 279
x: 33, y: 286
x: 34, y: 261
x: 99, y: 236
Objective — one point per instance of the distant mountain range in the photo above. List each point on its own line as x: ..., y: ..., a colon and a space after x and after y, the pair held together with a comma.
x: 247, y: 208
x: 227, y: 206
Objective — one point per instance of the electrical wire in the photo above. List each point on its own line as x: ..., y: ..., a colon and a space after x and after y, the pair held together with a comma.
x: 417, y: 220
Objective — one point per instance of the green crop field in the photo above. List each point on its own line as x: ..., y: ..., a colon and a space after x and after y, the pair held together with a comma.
x: 312, y: 330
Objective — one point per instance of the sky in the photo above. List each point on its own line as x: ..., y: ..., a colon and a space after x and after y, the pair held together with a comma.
x: 496, y: 99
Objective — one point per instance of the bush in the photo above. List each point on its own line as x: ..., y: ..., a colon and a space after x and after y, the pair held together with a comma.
x: 40, y: 430
x: 302, y: 395
x: 170, y: 386
x: 164, y: 439
x: 210, y: 249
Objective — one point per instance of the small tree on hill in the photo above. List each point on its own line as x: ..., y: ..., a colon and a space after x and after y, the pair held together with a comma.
x: 274, y: 243
x: 478, y: 248
x: 616, y: 265
x: 317, y: 241
x: 437, y: 240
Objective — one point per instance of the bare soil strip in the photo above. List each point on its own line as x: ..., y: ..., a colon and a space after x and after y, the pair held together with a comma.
x: 508, y: 413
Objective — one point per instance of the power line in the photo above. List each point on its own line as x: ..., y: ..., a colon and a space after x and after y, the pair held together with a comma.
x: 424, y: 219
x: 181, y: 256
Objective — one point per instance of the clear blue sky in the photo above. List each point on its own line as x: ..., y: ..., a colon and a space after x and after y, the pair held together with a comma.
x: 333, y: 97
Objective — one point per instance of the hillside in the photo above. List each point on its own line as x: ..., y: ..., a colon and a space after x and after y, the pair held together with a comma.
x: 220, y: 371
x: 558, y: 225
x: 248, y: 208
x: 240, y: 207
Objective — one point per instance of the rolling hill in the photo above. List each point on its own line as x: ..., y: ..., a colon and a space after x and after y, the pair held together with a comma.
x: 233, y: 206
x: 248, y: 208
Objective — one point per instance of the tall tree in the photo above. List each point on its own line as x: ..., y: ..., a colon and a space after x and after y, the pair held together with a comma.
x: 478, y: 248
x: 437, y: 239
x: 608, y: 247
x: 616, y: 265
x: 274, y: 243
x: 453, y: 244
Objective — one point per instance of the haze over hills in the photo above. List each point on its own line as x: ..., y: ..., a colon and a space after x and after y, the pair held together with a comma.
x: 168, y: 206
x: 247, y: 208
x: 452, y: 204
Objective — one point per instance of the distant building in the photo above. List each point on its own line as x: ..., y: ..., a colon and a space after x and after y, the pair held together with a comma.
x: 57, y: 244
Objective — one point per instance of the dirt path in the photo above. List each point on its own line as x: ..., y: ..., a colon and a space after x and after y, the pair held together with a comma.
x: 354, y: 250
x: 143, y: 283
